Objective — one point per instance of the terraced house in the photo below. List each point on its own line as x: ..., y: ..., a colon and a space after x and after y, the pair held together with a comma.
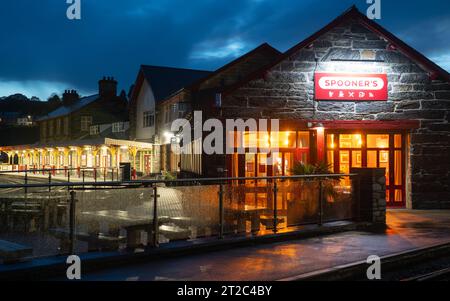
x: 84, y: 133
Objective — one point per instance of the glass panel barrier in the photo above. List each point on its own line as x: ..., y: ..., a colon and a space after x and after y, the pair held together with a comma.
x: 302, y: 206
x: 337, y: 200
x: 112, y: 219
x: 27, y: 221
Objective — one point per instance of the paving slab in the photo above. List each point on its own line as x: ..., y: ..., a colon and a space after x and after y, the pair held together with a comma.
x: 407, y: 230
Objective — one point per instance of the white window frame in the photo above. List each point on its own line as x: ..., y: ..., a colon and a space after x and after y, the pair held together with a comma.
x: 148, y: 119
x: 118, y: 127
x: 86, y: 122
x: 94, y: 130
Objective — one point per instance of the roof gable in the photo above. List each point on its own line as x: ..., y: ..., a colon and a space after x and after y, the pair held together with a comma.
x: 267, y: 50
x: 165, y: 81
x: 352, y: 14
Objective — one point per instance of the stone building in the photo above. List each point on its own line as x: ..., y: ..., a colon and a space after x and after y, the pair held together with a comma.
x: 352, y: 95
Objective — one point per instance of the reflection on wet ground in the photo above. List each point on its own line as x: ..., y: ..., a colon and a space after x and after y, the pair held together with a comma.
x: 407, y: 230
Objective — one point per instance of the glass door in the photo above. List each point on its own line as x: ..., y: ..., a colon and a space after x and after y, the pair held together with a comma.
x: 373, y: 150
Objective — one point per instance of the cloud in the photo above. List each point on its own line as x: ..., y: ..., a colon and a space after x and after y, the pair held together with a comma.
x: 212, y: 50
x: 114, y: 37
x: 443, y: 60
x: 38, y: 88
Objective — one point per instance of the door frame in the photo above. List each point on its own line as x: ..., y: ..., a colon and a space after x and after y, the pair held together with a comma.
x: 392, y: 187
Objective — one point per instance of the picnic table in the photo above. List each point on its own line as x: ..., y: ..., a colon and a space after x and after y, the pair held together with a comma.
x: 32, y: 205
x: 246, y: 213
x: 133, y: 224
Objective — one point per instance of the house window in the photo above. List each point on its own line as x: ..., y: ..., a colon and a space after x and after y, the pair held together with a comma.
x: 149, y: 119
x: 86, y: 122
x: 94, y: 130
x: 118, y: 127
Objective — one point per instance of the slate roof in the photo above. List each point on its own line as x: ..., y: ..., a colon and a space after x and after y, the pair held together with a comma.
x: 66, y: 110
x: 165, y: 81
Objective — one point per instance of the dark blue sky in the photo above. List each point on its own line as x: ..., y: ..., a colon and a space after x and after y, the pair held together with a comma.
x: 41, y: 51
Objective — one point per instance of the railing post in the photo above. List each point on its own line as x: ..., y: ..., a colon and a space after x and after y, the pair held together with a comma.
x: 275, y: 205
x: 320, y: 203
x: 26, y: 182
x: 49, y: 181
x: 83, y: 177
x: 221, y: 212
x: 68, y: 179
x: 72, y: 222
x: 356, y: 182
x: 155, y: 217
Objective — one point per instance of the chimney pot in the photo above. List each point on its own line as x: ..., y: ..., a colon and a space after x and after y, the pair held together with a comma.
x: 107, y: 87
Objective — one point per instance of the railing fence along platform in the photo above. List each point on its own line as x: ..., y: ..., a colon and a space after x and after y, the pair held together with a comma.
x: 42, y: 219
x: 80, y: 174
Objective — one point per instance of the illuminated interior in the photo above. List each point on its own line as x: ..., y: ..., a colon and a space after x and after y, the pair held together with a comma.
x: 355, y: 150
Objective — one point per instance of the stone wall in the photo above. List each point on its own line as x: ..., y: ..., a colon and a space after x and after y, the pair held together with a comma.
x: 370, y: 190
x: 286, y: 92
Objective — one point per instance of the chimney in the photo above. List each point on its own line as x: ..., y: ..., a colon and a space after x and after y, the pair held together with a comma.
x: 107, y: 87
x: 70, y: 97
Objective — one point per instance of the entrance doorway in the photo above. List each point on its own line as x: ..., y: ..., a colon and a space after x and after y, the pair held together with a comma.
x: 346, y: 150
x: 148, y: 164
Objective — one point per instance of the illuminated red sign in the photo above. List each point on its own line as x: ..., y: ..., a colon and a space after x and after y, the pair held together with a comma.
x: 348, y: 86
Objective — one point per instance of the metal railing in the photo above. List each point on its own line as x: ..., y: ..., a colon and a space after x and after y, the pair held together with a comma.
x: 72, y: 217
x: 82, y: 173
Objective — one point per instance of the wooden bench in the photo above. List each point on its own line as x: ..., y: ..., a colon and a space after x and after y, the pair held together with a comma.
x: 11, y: 252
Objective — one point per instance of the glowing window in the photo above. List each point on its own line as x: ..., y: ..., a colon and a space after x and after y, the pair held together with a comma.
x: 350, y: 141
x: 378, y: 141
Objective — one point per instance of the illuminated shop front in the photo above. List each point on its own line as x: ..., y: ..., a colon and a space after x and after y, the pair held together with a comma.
x: 352, y: 95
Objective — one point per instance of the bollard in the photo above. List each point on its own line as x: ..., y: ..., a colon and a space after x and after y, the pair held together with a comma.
x: 72, y: 222
x: 221, y: 212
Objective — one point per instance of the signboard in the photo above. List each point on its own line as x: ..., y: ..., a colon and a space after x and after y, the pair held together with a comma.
x: 351, y: 87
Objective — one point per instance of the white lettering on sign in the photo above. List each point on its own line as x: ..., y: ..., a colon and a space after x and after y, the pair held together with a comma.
x: 351, y: 83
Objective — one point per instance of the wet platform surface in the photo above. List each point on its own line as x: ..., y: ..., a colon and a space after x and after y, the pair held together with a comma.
x: 407, y: 230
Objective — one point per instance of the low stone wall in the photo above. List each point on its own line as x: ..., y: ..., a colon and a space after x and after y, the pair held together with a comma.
x: 370, y: 191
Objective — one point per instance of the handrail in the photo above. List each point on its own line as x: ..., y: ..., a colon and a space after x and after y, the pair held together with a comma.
x: 31, y: 170
x: 154, y: 182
